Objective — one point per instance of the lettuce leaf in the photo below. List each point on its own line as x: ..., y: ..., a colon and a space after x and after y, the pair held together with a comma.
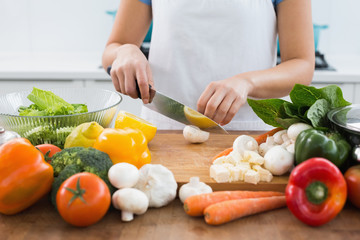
x: 46, y: 103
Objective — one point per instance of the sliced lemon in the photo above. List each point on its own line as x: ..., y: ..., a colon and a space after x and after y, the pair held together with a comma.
x: 198, y: 119
x: 128, y: 120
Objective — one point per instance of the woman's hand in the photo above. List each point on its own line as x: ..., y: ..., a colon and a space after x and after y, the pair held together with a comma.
x: 221, y: 100
x: 129, y: 66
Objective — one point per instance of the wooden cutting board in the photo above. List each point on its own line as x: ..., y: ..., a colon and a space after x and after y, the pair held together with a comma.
x: 186, y: 160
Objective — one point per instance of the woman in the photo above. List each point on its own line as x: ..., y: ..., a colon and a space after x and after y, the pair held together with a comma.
x: 212, y: 55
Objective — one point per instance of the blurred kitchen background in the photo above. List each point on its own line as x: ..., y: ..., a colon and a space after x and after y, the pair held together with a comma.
x: 48, y: 43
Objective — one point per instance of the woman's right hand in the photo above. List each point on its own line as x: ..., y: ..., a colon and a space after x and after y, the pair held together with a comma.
x: 129, y: 66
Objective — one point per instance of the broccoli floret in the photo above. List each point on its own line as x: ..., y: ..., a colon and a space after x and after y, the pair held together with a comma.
x: 79, y: 159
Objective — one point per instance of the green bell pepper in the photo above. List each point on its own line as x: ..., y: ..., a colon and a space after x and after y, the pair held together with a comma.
x: 317, y: 143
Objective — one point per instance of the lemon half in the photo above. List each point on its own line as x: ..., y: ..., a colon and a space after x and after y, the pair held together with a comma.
x: 128, y: 120
x: 198, y: 119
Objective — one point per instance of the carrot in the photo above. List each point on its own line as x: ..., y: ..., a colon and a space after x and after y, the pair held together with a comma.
x: 262, y: 138
x: 230, y: 210
x: 223, y: 153
x: 195, y: 205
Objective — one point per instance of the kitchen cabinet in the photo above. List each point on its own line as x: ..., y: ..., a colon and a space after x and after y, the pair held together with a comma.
x: 21, y: 71
x: 128, y: 104
x: 14, y: 85
x: 357, y: 93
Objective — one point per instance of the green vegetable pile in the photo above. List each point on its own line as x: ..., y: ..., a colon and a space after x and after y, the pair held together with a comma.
x: 48, y: 134
x: 79, y: 159
x: 309, y: 105
x: 46, y: 103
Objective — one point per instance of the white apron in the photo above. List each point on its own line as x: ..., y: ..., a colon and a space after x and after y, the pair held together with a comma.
x: 195, y: 42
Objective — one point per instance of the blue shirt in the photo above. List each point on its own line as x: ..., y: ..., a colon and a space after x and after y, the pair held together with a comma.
x: 275, y: 2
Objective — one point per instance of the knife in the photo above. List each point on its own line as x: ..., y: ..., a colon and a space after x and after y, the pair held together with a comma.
x: 177, y: 111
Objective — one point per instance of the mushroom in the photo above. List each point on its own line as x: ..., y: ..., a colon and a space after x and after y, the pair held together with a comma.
x: 130, y: 201
x: 123, y: 175
x: 264, y: 147
x: 193, y: 187
x: 291, y: 148
x: 295, y: 129
x: 279, y: 137
x: 278, y: 160
x: 158, y: 183
x: 245, y: 142
x: 194, y: 134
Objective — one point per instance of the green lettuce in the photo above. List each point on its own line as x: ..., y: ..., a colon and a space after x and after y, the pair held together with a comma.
x: 46, y: 103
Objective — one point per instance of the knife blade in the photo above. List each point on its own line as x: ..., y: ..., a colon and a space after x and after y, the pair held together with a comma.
x: 179, y: 112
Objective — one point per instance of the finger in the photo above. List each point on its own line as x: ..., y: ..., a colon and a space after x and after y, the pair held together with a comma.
x: 235, y: 106
x: 149, y: 76
x: 224, y: 107
x: 205, y: 97
x: 115, y: 80
x: 152, y: 89
x: 129, y: 83
x: 213, y: 104
x: 121, y: 78
x: 142, y: 80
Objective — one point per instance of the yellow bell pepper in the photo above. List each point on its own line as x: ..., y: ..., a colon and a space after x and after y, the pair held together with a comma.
x: 124, y: 145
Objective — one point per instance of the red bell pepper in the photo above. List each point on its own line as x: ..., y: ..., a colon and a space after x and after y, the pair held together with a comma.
x: 316, y: 191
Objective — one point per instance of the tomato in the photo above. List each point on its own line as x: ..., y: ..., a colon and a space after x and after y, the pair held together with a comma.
x: 48, y: 150
x: 83, y: 199
x: 352, y: 177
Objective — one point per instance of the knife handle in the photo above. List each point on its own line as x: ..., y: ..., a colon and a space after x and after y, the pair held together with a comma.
x: 136, y: 83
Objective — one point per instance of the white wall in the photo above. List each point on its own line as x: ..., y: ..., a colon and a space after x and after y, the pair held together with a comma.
x: 343, y: 18
x: 83, y: 25
x: 55, y: 25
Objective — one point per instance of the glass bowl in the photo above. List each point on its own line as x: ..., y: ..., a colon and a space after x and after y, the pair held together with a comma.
x: 346, y: 121
x: 102, y: 107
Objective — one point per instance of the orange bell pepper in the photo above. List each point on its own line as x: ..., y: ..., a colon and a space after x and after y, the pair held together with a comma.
x: 25, y: 176
x: 124, y: 145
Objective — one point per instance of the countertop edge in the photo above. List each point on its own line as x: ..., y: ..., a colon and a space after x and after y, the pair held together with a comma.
x: 87, y: 66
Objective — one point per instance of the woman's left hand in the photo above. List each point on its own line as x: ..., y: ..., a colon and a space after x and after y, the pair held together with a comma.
x: 222, y: 99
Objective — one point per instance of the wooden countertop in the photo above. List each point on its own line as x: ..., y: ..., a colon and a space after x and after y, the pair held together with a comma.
x: 41, y: 221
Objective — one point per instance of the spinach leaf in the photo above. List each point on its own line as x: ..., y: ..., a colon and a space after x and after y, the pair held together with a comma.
x: 334, y: 96
x: 286, y: 122
x: 302, y: 95
x: 291, y: 110
x: 309, y: 105
x: 268, y: 110
x: 317, y: 113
